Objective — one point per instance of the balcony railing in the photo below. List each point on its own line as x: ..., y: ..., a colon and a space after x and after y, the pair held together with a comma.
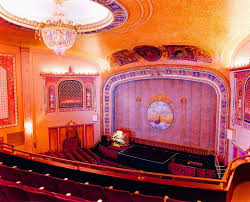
x: 160, y: 178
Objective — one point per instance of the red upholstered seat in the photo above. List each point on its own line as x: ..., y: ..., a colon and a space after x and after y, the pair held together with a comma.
x: 113, y: 195
x: 30, y: 179
x: 108, y: 152
x: 200, y: 172
x: 69, y: 156
x: 189, y: 171
x: 210, y: 173
x: 176, y: 169
x: 173, y: 200
x: 92, y: 154
x: 146, y: 198
x: 68, y: 186
x: 13, y: 193
x: 3, y: 197
x: 78, y: 157
x: 9, y: 173
x: 49, y: 183
x: 43, y: 195
x: 84, y: 154
x: 90, y: 192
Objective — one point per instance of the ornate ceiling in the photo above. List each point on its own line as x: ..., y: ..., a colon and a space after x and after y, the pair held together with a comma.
x: 220, y: 27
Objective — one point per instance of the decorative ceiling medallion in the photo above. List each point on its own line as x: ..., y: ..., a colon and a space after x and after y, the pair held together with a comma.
x: 99, y: 16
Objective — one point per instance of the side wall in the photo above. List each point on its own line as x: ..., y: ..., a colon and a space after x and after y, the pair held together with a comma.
x: 15, y: 51
x: 46, y: 62
x: 241, y: 129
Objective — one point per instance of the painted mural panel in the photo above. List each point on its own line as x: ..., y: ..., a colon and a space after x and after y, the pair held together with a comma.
x: 160, y: 115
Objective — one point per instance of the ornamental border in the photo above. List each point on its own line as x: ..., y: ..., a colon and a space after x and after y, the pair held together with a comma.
x: 13, y: 120
x: 217, y: 82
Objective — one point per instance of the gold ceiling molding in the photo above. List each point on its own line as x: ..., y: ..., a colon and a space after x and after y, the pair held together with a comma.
x: 140, y: 22
x: 116, y: 17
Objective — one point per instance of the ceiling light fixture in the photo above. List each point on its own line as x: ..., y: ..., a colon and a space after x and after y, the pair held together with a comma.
x: 58, y: 32
x: 58, y: 22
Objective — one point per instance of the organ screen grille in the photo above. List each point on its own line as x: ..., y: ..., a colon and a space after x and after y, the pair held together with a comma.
x: 70, y: 94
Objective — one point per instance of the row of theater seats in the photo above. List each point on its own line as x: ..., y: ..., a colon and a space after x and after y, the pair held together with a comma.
x: 83, y: 155
x: 15, y: 192
x: 204, y: 161
x: 178, y: 169
x: 108, y: 152
x: 21, y: 185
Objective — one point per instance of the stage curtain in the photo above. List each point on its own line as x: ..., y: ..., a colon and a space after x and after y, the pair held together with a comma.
x: 201, y: 108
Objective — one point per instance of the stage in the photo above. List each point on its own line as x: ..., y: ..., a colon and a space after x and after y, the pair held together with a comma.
x: 146, y: 158
x: 156, y: 159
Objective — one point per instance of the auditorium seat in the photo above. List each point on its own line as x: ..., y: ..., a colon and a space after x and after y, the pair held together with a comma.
x: 78, y: 157
x: 40, y: 196
x: 68, y: 155
x: 92, y: 154
x: 90, y: 192
x: 189, y: 171
x: 3, y: 197
x: 210, y: 173
x: 114, y: 195
x: 89, y: 158
x: 48, y: 182
x: 9, y: 173
x: 200, y: 172
x: 176, y: 169
x: 55, y: 189
x: 108, y: 152
x: 61, y: 155
x: 13, y: 192
x: 136, y: 197
x: 29, y: 178
x: 68, y: 186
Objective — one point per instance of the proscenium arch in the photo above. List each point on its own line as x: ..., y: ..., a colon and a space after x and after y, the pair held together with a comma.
x: 185, y: 73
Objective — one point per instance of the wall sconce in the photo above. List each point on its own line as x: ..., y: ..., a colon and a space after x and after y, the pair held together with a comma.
x: 28, y: 127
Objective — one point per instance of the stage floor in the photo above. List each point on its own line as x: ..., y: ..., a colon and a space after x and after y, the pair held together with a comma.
x: 146, y: 158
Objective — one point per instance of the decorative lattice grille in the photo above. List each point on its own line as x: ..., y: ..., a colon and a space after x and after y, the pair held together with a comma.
x: 70, y: 94
x: 3, y: 94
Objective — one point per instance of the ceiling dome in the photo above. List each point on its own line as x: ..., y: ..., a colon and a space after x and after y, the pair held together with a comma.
x: 90, y: 15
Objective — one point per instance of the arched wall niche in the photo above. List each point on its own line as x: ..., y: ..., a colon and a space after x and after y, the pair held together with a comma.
x: 202, y: 75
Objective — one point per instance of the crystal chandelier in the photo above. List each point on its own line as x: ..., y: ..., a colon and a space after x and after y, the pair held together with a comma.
x: 58, y: 33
